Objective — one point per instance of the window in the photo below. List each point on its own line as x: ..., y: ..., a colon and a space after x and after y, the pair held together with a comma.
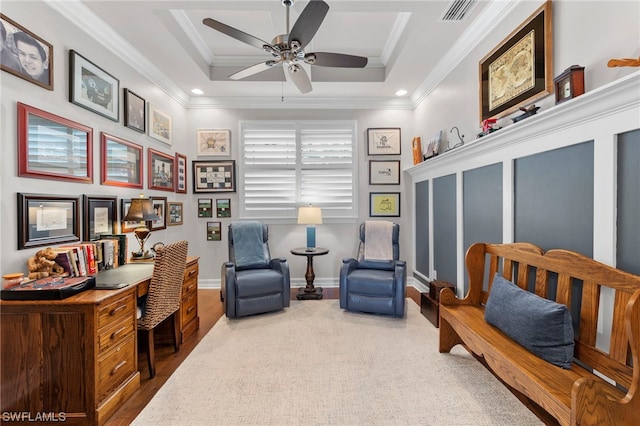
x: 290, y: 164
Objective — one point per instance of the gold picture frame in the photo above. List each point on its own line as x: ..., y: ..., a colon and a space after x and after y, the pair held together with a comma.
x: 520, y: 69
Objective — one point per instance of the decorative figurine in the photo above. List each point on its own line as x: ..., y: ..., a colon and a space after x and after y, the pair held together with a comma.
x: 528, y: 112
x: 43, y: 264
x: 488, y: 126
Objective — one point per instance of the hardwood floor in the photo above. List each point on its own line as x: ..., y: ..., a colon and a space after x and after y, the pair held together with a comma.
x: 167, y: 361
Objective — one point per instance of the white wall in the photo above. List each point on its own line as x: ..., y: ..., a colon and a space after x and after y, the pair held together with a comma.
x: 339, y: 238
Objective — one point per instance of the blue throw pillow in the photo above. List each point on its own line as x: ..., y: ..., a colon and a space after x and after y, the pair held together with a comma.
x: 540, y: 325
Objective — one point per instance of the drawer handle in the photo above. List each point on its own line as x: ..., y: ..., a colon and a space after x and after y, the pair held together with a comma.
x: 192, y: 272
x: 117, y: 332
x: 116, y: 310
x: 190, y: 309
x: 118, y: 367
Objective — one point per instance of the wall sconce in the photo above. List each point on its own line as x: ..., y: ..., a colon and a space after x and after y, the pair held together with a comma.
x: 310, y: 216
x: 141, y: 209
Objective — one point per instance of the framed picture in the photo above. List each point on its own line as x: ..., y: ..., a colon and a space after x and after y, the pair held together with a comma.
x: 134, y: 111
x: 52, y: 147
x: 214, y: 231
x: 175, y: 213
x: 223, y: 207
x: 214, y: 176
x: 181, y: 174
x: 205, y: 208
x: 384, y: 204
x: 213, y: 142
x: 160, y: 126
x: 383, y: 141
x: 160, y: 170
x: 38, y: 69
x: 100, y: 214
x: 93, y: 88
x: 519, y: 70
x: 47, y: 219
x: 159, y: 208
x: 126, y: 226
x: 384, y: 172
x: 121, y: 162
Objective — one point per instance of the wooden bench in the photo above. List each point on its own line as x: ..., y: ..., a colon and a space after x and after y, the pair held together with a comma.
x: 576, y: 396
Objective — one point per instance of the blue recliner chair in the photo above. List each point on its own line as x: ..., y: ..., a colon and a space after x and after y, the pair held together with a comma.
x: 374, y: 283
x: 252, y: 282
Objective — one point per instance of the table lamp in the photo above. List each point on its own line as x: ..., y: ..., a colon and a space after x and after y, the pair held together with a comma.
x: 310, y: 216
x: 141, y: 209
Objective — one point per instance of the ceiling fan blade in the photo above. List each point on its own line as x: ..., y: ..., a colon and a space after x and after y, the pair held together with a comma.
x: 235, y: 33
x: 253, y: 69
x: 300, y: 78
x: 308, y: 22
x: 326, y: 59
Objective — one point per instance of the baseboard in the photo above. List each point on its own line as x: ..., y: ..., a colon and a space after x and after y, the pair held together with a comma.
x: 319, y: 282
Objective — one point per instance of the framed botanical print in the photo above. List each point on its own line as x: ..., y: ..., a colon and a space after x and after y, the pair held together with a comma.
x: 214, y: 176
x: 161, y: 170
x: 383, y: 141
x: 93, y: 88
x: 19, y: 44
x: 213, y: 142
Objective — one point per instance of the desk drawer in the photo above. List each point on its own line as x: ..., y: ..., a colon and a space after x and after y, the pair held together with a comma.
x: 189, y: 308
x: 115, y: 367
x: 114, y: 335
x: 114, y: 311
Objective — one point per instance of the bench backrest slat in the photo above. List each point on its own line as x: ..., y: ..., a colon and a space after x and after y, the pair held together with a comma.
x: 571, y: 269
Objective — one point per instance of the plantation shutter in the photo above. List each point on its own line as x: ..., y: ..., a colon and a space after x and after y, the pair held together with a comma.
x: 286, y: 165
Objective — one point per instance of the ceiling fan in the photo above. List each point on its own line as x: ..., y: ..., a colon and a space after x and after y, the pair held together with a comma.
x: 288, y: 49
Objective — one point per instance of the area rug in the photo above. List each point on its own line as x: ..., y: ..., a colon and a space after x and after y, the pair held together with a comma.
x: 316, y: 364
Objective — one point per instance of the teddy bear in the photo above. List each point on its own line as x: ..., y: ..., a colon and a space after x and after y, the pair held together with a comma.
x: 43, y: 264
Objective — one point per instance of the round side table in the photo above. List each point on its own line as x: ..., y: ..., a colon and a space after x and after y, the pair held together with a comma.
x: 309, y: 292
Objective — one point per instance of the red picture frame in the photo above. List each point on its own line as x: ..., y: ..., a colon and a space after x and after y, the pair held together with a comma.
x: 161, y: 170
x: 121, y: 162
x: 44, y: 143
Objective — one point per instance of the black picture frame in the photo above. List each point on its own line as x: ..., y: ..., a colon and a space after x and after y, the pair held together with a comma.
x: 214, y: 231
x: 529, y: 51
x: 93, y: 88
x: 384, y: 172
x: 214, y: 176
x: 384, y: 141
x: 16, y: 37
x: 384, y: 204
x: 135, y: 111
x: 223, y: 207
x: 205, y: 207
x: 45, y: 219
x: 159, y: 208
x: 100, y: 216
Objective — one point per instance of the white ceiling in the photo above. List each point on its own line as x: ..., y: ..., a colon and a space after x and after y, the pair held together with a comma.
x: 407, y: 43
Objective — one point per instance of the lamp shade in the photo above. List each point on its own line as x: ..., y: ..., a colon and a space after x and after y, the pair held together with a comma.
x: 140, y: 209
x: 310, y: 215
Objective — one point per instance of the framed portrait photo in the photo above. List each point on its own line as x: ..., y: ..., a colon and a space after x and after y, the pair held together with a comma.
x: 47, y: 219
x: 383, y: 172
x: 100, y: 214
x: 519, y: 70
x: 214, y: 176
x: 213, y: 142
x: 93, y: 88
x: 181, y: 174
x: 121, y: 162
x: 135, y: 113
x: 161, y: 170
x: 175, y: 213
x: 383, y: 141
x: 160, y: 125
x: 16, y: 38
x: 384, y: 204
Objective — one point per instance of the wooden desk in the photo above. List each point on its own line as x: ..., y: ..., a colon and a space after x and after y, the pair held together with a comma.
x: 78, y: 356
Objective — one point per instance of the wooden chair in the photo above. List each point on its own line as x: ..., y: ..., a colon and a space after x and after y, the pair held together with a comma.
x: 163, y: 297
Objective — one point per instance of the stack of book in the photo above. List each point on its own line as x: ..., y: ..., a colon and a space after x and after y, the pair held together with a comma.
x: 87, y: 258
